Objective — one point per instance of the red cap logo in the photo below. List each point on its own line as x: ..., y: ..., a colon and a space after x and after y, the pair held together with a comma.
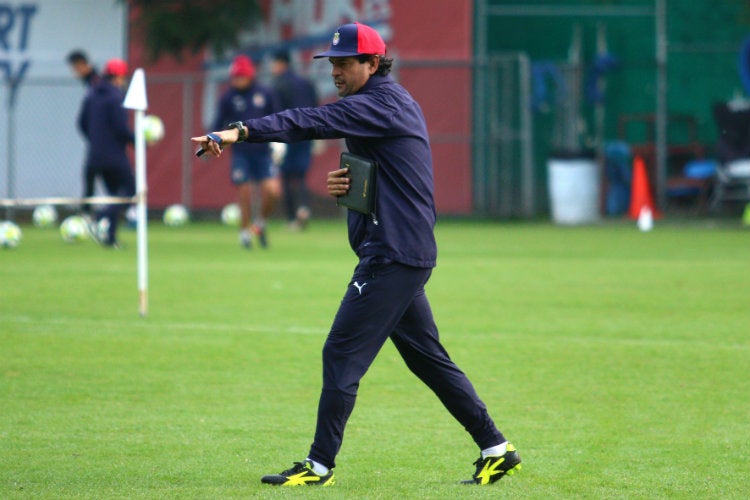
x: 354, y: 39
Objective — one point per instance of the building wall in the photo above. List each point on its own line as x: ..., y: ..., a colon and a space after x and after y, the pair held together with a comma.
x: 430, y: 39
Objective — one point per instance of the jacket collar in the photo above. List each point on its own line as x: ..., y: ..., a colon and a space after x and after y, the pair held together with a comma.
x: 375, y: 81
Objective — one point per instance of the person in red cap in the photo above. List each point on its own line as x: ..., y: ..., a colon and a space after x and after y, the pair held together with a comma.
x: 385, y: 297
x: 104, y: 123
x: 251, y: 164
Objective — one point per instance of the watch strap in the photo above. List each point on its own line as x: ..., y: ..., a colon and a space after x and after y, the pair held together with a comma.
x: 242, y: 133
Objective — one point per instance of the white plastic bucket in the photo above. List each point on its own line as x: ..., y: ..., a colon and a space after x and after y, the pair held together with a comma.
x: 574, y: 190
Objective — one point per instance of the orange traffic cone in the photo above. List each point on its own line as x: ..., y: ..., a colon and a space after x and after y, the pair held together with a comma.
x: 640, y: 193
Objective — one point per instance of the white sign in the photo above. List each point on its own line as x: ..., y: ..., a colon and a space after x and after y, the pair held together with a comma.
x: 41, y: 151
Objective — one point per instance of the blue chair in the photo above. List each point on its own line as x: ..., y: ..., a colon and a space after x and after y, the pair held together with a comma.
x: 695, y: 182
x: 732, y: 181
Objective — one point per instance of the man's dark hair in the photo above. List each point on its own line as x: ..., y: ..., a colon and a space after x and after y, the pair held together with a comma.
x: 282, y: 55
x: 77, y: 56
x: 383, y: 68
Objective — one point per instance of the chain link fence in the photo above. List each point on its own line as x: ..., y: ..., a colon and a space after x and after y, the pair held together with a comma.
x: 480, y: 134
x: 41, y: 152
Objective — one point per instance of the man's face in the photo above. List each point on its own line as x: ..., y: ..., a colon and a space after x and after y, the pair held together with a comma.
x: 278, y: 67
x: 349, y: 75
x: 118, y: 81
x: 80, y: 68
x: 240, y: 82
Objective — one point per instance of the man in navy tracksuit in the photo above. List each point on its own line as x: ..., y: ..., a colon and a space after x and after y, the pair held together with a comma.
x: 294, y: 92
x: 104, y: 123
x: 396, y: 249
x: 83, y: 69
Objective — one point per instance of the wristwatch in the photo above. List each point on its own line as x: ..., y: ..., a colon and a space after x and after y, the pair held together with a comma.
x: 241, y: 129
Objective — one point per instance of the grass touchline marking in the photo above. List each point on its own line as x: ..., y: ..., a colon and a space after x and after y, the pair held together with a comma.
x: 148, y: 324
x: 306, y: 330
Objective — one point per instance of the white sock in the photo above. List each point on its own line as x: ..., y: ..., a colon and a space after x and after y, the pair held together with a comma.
x: 318, y: 468
x: 495, y: 451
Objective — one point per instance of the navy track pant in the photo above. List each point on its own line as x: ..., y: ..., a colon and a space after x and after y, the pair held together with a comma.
x: 118, y: 181
x: 387, y: 299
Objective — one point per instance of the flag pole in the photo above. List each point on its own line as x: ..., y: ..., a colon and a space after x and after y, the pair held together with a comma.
x: 136, y: 100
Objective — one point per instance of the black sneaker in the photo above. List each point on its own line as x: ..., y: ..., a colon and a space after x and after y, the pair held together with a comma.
x: 303, y: 216
x: 93, y: 230
x: 490, y: 469
x: 299, y: 475
x: 246, y: 240
x: 260, y: 233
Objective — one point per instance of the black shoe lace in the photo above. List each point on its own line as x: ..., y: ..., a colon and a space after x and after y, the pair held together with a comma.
x: 478, y: 464
x: 298, y: 467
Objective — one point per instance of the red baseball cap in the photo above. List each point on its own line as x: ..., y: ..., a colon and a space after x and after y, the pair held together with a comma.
x: 116, y: 67
x: 242, y: 66
x: 354, y: 39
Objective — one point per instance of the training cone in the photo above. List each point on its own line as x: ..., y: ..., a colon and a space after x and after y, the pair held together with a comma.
x: 640, y: 194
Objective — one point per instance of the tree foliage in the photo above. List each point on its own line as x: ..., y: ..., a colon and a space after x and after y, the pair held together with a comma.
x: 170, y: 27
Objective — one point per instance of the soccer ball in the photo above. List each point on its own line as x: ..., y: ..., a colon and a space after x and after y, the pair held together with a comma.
x: 278, y: 152
x: 10, y: 234
x: 176, y: 215
x: 153, y: 129
x: 230, y: 215
x: 131, y: 216
x: 44, y: 216
x: 73, y: 229
x: 102, y: 229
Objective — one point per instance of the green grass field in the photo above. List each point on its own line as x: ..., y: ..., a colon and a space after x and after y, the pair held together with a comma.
x: 618, y: 363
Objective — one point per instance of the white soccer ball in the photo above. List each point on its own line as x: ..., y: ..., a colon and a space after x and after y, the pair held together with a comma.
x: 73, y: 229
x: 10, y: 234
x: 230, y: 215
x: 153, y: 129
x: 44, y: 216
x: 176, y: 215
x: 278, y: 152
x: 102, y: 229
x: 131, y: 216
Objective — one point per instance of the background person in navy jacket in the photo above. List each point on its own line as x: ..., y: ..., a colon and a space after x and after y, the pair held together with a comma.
x: 104, y: 123
x: 385, y: 297
x: 85, y: 71
x: 251, y: 163
x: 294, y: 92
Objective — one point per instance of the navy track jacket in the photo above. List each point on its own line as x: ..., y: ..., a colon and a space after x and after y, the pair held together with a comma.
x: 252, y: 102
x: 384, y: 123
x: 296, y: 92
x: 104, y: 123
